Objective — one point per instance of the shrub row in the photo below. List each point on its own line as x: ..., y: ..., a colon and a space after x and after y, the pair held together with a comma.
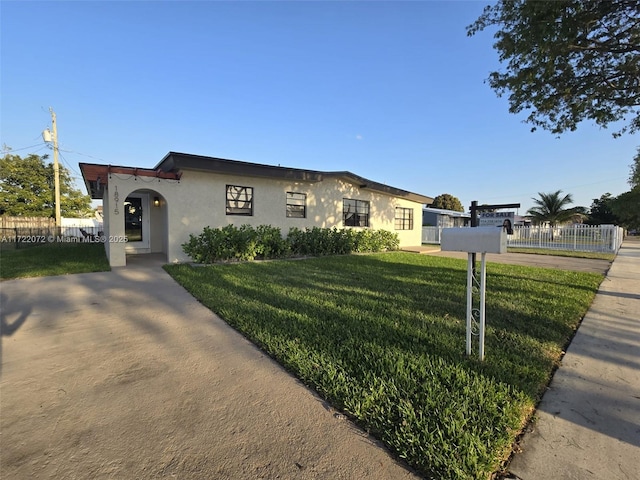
x: 332, y: 241
x: 265, y: 242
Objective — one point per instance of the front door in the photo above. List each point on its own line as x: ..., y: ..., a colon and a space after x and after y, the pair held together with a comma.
x: 136, y: 222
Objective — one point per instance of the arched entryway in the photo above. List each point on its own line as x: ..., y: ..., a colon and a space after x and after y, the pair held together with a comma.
x: 145, y: 222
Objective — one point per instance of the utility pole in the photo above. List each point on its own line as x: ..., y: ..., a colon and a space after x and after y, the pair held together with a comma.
x: 56, y: 167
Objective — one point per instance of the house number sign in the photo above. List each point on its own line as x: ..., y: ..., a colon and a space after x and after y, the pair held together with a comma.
x: 116, y: 197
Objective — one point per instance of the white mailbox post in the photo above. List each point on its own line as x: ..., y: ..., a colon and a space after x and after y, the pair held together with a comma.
x: 475, y: 240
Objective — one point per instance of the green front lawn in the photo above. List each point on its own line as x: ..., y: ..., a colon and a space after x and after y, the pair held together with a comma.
x: 382, y: 337
x: 53, y: 259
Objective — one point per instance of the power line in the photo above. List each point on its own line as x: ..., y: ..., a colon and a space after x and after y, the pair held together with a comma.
x: 85, y: 155
x: 68, y: 165
x: 25, y: 148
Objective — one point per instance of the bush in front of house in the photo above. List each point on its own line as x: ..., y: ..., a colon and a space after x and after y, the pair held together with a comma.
x: 208, y: 247
x: 236, y: 243
x: 333, y: 241
x: 376, y: 241
x: 265, y: 242
x: 270, y: 243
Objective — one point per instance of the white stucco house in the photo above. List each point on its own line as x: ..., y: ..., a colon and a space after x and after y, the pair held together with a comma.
x: 153, y: 210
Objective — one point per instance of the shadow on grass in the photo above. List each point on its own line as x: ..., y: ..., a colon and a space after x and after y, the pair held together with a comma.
x: 383, y: 338
x: 422, y: 309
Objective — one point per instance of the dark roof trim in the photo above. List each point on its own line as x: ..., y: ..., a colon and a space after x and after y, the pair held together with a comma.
x: 183, y: 161
x: 175, y: 162
x: 366, y: 184
x: 96, y: 175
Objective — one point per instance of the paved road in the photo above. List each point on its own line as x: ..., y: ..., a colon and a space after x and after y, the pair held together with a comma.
x: 544, y: 261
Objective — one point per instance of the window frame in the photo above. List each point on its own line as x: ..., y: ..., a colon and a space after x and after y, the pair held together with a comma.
x: 402, y: 222
x: 360, y: 218
x: 290, y: 198
x: 248, y: 191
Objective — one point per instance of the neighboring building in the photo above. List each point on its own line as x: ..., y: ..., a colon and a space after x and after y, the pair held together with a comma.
x: 155, y: 210
x: 438, y: 217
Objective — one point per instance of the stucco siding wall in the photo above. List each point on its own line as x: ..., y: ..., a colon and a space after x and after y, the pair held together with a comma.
x: 158, y: 229
x: 202, y: 203
x: 113, y: 212
x: 199, y: 200
x: 105, y: 223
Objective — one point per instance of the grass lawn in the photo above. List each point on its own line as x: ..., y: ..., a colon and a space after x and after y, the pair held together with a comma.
x: 53, y: 259
x: 382, y: 337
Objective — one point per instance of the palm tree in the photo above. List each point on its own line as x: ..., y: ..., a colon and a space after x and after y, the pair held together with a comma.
x: 550, y: 208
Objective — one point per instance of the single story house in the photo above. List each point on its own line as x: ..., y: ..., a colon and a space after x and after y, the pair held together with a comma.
x: 439, y: 217
x: 153, y: 210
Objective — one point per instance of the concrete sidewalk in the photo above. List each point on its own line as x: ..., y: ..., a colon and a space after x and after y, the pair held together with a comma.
x: 588, y: 423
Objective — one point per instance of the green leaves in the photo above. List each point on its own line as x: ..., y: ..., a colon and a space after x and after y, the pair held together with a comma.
x: 550, y: 208
x: 567, y: 61
x: 27, y: 189
x: 246, y: 243
x: 626, y: 207
x: 447, y: 202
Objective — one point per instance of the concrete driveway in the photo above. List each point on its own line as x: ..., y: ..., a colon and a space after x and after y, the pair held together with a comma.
x: 124, y: 375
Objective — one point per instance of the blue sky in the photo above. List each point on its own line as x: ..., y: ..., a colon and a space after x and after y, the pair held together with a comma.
x: 392, y: 91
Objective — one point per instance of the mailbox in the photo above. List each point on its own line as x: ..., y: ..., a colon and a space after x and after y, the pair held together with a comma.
x: 474, y: 240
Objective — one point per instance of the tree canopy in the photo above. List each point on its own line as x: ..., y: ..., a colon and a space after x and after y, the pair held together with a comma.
x: 626, y: 206
x: 567, y: 61
x: 634, y: 177
x: 447, y: 202
x: 27, y: 189
x: 552, y: 208
x: 600, y: 212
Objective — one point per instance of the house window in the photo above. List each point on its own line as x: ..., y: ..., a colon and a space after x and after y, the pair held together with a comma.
x: 355, y: 213
x: 404, y: 218
x: 296, y: 205
x: 239, y: 200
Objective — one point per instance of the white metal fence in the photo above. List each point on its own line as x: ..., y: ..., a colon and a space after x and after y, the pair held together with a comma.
x: 431, y: 234
x: 583, y: 238
x: 73, y: 227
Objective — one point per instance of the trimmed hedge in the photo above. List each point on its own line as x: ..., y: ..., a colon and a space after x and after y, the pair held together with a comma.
x: 266, y: 242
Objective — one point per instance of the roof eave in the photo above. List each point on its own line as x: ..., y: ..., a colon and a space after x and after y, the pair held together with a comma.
x: 96, y: 175
x: 366, y: 184
x: 175, y: 161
